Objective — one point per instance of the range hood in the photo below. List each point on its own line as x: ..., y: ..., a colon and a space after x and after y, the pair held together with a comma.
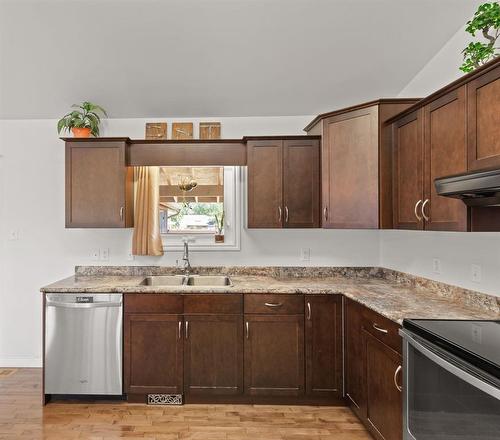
x: 476, y: 188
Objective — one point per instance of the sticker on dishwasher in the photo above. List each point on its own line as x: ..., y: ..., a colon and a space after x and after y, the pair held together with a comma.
x: 84, y: 299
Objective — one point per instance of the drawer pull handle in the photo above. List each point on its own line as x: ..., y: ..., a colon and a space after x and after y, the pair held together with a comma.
x: 399, y: 387
x: 416, y: 210
x: 308, y: 311
x: 273, y: 304
x: 247, y: 330
x: 187, y: 329
x: 180, y: 330
x: 423, y: 210
x: 380, y: 329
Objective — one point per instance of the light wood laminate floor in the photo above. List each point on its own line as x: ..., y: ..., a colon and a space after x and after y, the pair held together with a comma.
x: 23, y: 417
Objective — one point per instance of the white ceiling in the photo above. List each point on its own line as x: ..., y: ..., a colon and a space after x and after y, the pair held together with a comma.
x: 187, y: 58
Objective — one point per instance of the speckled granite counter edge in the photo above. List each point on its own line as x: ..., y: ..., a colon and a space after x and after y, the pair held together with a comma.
x: 466, y: 296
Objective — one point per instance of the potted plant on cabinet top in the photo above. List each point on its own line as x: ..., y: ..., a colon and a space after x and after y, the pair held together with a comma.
x: 82, y: 122
x: 486, y: 20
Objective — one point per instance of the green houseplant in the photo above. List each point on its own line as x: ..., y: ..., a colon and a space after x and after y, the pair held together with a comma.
x: 83, y: 121
x: 487, y: 21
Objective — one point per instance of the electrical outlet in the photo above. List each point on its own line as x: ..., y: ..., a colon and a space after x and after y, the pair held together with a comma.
x: 476, y: 273
x: 436, y: 265
x: 305, y: 254
x: 104, y: 254
x: 130, y: 256
x: 95, y: 254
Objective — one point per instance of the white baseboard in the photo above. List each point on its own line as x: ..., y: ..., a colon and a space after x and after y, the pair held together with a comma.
x: 16, y: 362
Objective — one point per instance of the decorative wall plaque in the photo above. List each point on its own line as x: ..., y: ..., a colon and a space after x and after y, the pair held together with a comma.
x: 156, y: 130
x: 182, y: 130
x: 210, y: 130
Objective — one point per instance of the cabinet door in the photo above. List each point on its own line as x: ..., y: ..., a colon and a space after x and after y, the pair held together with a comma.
x: 274, y: 355
x: 483, y: 117
x: 352, y: 143
x: 324, y: 345
x: 265, y: 186
x: 98, y: 185
x: 408, y: 171
x: 383, y: 398
x: 354, y: 356
x: 153, y: 353
x: 445, y: 154
x: 301, y: 183
x: 213, y: 354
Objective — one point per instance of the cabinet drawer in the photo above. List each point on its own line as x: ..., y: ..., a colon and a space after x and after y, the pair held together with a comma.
x: 208, y: 304
x: 153, y: 303
x: 382, y: 329
x: 274, y: 304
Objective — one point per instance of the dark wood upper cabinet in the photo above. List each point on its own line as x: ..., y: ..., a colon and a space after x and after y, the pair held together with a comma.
x: 283, y: 183
x: 99, y: 185
x: 384, y: 402
x: 265, y: 184
x: 408, y: 174
x: 153, y: 353
x: 274, y: 355
x: 483, y: 120
x: 445, y: 141
x: 430, y: 143
x: 356, y: 165
x: 301, y: 183
x: 213, y: 355
x: 323, y: 343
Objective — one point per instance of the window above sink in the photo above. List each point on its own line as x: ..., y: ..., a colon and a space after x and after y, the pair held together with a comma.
x: 190, y: 214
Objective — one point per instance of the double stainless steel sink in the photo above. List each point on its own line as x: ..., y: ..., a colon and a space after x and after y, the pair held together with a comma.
x: 188, y: 280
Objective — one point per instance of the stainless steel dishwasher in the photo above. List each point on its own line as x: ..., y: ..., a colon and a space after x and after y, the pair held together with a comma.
x: 83, y: 344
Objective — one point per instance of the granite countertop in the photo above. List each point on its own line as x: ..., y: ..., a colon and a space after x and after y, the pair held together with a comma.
x: 392, y: 298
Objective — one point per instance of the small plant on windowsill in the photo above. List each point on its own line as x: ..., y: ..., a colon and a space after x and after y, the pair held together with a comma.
x: 219, y: 224
x: 487, y: 21
x: 82, y: 122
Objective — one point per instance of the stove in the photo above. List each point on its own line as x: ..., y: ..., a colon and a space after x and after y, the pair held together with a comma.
x: 451, y: 379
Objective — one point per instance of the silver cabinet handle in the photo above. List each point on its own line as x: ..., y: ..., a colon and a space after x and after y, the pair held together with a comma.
x: 122, y: 210
x: 247, y: 330
x: 423, y: 210
x: 186, y: 329
x: 95, y: 305
x: 325, y: 213
x: 179, y: 336
x: 379, y: 329
x: 279, y: 213
x: 416, y: 210
x: 286, y: 214
x: 399, y: 387
x: 273, y: 304
x: 308, y: 311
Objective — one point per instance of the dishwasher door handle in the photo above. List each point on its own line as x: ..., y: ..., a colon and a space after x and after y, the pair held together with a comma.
x: 82, y: 305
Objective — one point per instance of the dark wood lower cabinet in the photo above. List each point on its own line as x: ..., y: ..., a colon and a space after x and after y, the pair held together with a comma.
x: 274, y: 355
x: 384, y: 402
x: 153, y: 354
x: 213, y: 355
x: 323, y: 333
x: 372, y: 370
x: 354, y: 357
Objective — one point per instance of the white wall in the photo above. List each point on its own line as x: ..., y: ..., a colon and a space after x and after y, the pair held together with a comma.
x: 32, y: 202
x: 414, y: 251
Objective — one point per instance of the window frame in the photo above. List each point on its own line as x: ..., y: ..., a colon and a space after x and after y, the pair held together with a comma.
x: 204, y: 240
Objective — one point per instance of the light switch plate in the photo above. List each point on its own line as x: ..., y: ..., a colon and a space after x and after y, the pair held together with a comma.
x: 14, y: 235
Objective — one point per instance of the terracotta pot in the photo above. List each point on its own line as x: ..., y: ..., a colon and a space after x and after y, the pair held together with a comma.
x: 81, y: 132
x: 219, y: 238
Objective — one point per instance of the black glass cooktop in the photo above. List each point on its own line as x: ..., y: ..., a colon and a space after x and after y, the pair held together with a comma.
x: 477, y: 342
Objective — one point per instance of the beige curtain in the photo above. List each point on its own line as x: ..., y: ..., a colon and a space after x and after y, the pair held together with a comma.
x: 147, y: 239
